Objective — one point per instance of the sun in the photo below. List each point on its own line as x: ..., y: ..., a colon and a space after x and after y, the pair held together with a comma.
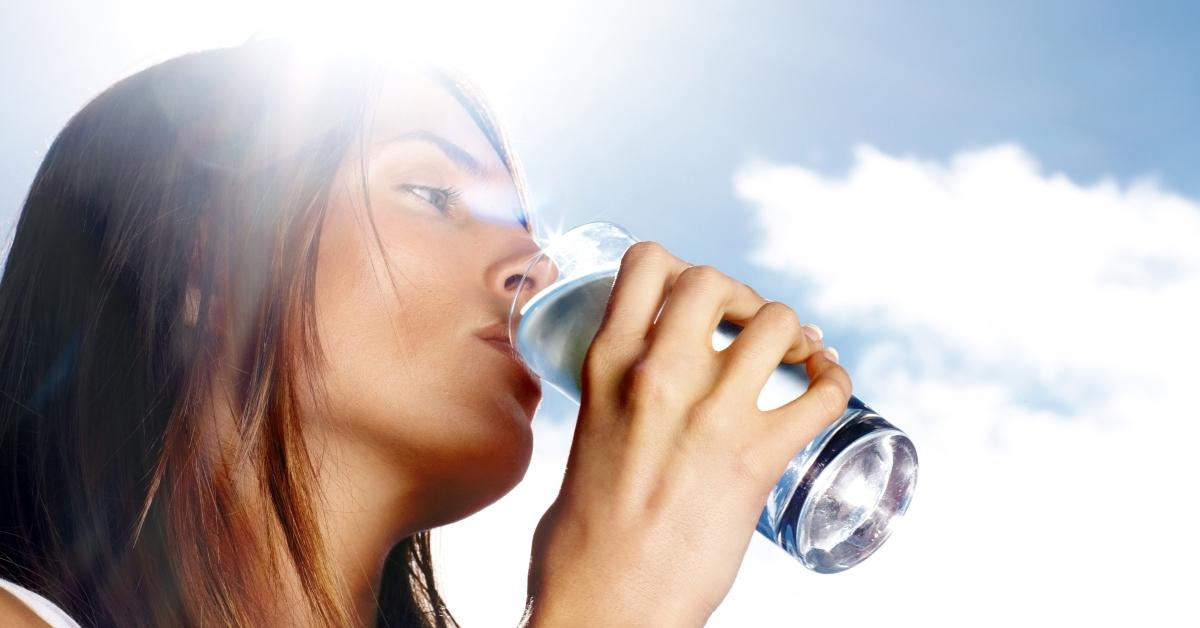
x: 484, y: 39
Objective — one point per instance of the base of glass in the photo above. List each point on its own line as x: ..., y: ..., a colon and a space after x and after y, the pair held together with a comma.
x: 840, y: 498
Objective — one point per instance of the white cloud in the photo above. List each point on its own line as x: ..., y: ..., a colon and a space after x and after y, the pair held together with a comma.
x: 997, y: 271
x: 1035, y: 337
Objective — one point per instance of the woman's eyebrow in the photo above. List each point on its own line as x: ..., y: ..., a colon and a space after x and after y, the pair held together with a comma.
x: 454, y: 152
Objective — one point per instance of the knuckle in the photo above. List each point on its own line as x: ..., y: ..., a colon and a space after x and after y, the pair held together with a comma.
x: 780, y: 315
x: 645, y: 252
x: 702, y: 275
x: 647, y: 380
x: 706, y: 411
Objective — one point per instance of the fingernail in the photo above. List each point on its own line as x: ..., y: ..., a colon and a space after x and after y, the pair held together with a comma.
x: 813, y: 332
x: 831, y: 353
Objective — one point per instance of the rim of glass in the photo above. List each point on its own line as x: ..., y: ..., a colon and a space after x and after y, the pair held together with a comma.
x: 550, y: 244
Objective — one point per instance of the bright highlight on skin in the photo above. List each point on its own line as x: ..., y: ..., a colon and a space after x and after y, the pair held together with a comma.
x: 485, y: 41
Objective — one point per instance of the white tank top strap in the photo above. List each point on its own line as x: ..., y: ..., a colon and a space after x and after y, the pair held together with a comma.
x: 43, y: 608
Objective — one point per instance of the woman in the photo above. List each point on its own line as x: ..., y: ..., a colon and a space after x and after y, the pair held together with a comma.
x: 252, y: 349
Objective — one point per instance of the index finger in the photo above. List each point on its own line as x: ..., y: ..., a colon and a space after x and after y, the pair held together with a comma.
x: 698, y: 301
x: 647, y: 270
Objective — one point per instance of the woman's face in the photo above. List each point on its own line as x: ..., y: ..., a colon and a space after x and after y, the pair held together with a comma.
x: 419, y: 378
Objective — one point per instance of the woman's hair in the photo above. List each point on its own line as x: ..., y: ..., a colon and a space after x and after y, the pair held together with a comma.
x: 174, y: 219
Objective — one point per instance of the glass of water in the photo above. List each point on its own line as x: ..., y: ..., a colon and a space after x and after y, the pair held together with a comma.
x: 839, y: 498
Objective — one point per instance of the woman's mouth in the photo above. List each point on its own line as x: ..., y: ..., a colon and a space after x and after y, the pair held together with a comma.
x: 496, y: 336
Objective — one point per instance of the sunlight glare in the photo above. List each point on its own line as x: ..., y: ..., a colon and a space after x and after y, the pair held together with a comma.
x: 483, y: 39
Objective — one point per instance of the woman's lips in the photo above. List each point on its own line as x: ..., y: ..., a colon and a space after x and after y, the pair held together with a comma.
x: 501, y: 345
x: 496, y: 335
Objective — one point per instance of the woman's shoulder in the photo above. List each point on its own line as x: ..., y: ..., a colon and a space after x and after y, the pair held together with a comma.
x: 14, y: 612
x: 22, y: 608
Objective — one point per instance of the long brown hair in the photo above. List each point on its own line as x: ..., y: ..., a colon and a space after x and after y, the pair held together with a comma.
x: 175, y: 217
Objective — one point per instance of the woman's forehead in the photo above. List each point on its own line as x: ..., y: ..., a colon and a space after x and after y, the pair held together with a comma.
x: 410, y: 102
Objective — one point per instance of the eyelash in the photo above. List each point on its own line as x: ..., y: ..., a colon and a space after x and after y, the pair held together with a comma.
x: 449, y: 195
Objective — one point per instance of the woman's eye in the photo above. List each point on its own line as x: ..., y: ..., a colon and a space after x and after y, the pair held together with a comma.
x: 441, y: 198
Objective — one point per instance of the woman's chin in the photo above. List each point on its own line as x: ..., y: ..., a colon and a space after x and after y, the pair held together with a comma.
x: 484, y: 476
x: 483, y: 491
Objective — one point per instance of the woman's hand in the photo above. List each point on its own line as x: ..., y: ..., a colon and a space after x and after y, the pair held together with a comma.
x: 672, y: 461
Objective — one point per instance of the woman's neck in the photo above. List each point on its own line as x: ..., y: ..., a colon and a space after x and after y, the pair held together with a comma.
x: 362, y: 506
x: 365, y: 508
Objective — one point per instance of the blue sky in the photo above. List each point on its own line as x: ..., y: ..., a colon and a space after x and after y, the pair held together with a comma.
x: 646, y: 110
x: 991, y: 210
x: 692, y: 90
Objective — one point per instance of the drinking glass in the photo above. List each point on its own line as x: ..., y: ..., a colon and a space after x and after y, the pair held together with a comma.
x: 839, y: 498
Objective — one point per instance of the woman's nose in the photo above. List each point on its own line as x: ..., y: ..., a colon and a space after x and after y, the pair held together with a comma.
x: 538, y: 272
